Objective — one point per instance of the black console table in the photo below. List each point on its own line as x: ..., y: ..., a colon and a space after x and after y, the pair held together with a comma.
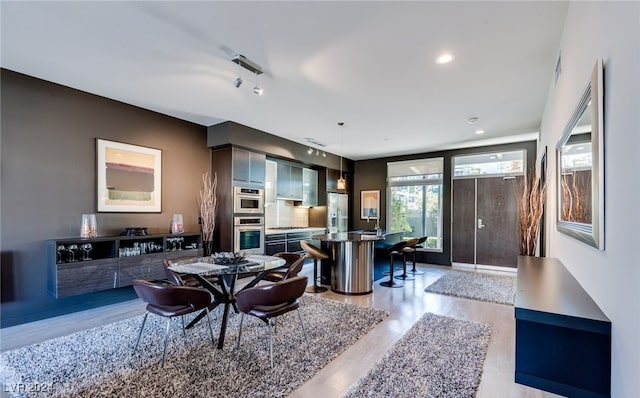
x: 563, y: 339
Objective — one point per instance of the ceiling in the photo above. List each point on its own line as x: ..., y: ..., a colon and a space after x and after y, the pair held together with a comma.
x: 370, y: 65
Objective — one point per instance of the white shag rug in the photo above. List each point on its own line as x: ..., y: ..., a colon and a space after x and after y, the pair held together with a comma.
x: 100, y: 362
x: 499, y: 289
x: 438, y: 357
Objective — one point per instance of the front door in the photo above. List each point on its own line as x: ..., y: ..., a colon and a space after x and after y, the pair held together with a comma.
x: 485, y: 221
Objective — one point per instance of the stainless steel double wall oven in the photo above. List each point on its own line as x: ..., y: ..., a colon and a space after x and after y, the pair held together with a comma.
x: 248, y: 220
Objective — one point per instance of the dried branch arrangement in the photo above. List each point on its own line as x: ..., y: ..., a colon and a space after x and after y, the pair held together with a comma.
x: 530, y: 207
x: 208, y: 204
x: 576, y: 197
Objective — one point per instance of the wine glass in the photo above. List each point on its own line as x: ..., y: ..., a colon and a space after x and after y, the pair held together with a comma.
x: 59, y: 252
x: 86, y: 248
x: 180, y: 240
x: 73, y: 249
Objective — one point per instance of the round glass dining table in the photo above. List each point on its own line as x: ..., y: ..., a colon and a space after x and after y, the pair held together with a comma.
x: 223, y: 287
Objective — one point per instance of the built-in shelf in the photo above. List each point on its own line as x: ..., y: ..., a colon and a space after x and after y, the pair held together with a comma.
x: 563, y: 339
x: 84, y: 265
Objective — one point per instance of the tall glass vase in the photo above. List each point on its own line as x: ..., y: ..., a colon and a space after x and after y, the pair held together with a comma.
x: 88, y: 228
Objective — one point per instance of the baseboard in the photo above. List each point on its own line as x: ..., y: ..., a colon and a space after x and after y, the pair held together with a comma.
x: 497, y: 268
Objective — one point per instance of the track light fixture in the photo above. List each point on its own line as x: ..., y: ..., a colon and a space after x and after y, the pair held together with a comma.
x: 249, y: 65
x: 317, y: 151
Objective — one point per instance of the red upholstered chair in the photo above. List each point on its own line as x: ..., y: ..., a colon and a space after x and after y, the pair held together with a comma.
x: 270, y: 301
x: 169, y: 301
x: 292, y: 267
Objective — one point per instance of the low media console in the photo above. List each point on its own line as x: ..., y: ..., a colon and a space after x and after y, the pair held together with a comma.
x: 563, y: 339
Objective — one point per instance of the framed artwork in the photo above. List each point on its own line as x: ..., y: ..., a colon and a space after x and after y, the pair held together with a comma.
x: 370, y: 204
x: 129, y: 178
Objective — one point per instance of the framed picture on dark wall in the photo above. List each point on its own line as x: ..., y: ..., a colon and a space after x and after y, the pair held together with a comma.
x: 370, y: 204
x: 129, y: 178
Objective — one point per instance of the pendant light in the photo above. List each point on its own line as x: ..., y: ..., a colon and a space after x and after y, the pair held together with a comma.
x: 341, y: 183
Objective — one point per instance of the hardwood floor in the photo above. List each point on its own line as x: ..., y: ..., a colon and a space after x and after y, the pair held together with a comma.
x: 405, y: 306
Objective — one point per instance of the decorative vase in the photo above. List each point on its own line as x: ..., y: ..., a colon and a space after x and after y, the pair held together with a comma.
x: 88, y: 228
x: 177, y: 225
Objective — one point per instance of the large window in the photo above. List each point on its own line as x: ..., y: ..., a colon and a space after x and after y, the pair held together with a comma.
x: 415, y: 199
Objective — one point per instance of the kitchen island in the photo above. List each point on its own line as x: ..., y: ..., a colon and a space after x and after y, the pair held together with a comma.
x: 352, y: 260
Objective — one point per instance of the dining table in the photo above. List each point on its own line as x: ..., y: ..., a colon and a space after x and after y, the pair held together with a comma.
x: 226, y: 273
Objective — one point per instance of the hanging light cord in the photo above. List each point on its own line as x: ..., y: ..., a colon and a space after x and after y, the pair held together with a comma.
x: 341, y: 150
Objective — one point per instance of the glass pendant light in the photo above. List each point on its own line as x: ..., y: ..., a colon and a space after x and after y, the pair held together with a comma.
x: 341, y: 183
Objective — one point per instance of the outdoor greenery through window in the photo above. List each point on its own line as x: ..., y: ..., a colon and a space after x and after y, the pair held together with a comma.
x: 415, y: 199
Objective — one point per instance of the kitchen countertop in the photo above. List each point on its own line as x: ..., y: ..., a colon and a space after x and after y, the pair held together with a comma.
x: 348, y: 237
x: 273, y: 231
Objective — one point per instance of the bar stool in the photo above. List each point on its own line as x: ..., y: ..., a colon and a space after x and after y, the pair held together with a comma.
x: 418, y: 245
x: 316, y: 254
x: 393, y: 251
x: 408, y: 249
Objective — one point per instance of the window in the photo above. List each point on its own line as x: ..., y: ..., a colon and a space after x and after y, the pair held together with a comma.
x: 415, y: 199
x: 489, y: 164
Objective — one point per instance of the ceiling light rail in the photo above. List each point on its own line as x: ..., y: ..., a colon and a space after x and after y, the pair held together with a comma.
x: 244, y: 62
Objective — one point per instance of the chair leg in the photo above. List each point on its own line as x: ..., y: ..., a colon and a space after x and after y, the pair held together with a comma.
x: 140, y: 332
x: 315, y: 288
x: 240, y: 331
x: 304, y: 332
x: 413, y: 270
x: 270, y: 343
x: 210, y: 329
x: 184, y: 332
x: 391, y: 282
x: 405, y: 276
x: 166, y: 341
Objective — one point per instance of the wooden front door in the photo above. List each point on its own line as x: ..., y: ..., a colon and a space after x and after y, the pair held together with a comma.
x: 485, y: 222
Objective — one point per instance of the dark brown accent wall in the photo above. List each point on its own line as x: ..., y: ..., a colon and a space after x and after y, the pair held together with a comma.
x: 372, y: 174
x: 48, y: 182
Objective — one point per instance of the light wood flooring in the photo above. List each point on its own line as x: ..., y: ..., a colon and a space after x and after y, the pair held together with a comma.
x: 405, y: 305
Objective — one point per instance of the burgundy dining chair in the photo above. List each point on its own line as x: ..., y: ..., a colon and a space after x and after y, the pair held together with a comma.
x: 292, y: 267
x: 270, y: 301
x: 169, y: 301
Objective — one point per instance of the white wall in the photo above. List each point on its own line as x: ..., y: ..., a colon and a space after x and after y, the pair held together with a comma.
x: 609, y: 31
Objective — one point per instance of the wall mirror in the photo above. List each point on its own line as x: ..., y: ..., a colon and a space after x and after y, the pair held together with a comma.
x: 580, y: 167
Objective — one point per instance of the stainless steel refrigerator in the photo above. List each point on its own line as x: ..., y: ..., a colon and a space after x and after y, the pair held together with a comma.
x: 337, y: 212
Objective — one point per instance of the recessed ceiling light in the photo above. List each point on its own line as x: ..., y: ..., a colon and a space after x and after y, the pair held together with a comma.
x: 472, y: 120
x: 479, y: 131
x: 444, y: 59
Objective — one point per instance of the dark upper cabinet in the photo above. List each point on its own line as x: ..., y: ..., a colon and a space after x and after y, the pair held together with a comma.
x: 248, y: 167
x: 289, y: 185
